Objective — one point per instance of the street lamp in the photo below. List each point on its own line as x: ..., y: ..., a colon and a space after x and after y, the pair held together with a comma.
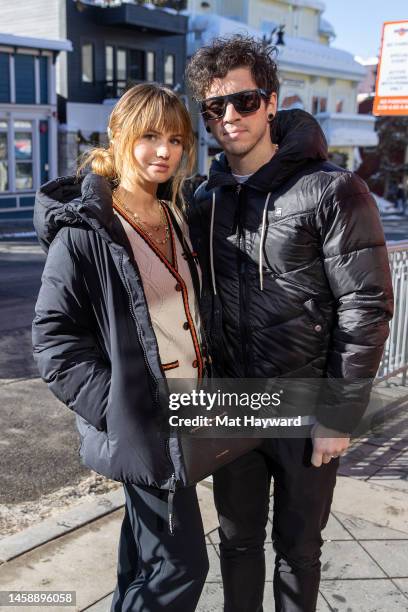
x: 280, y: 34
x: 279, y: 31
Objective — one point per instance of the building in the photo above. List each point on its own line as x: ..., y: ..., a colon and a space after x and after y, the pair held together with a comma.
x: 114, y: 45
x: 28, y: 120
x: 314, y: 75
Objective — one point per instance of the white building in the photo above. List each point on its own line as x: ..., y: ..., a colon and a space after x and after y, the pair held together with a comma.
x: 314, y: 76
x: 28, y: 120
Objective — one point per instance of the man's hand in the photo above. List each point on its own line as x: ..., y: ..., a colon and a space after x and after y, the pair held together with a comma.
x: 327, y: 444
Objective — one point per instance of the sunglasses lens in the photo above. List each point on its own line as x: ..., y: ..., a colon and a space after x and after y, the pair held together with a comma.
x: 243, y: 102
x: 213, y: 109
x: 246, y: 102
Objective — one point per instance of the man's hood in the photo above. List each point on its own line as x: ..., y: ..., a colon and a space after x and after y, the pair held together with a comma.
x: 72, y: 201
x: 301, y: 141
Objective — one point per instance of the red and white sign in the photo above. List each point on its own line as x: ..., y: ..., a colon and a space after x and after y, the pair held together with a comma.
x: 391, y: 92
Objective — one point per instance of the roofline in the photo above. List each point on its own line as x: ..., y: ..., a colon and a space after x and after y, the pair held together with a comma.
x: 331, y: 73
x: 10, y: 40
x: 313, y: 4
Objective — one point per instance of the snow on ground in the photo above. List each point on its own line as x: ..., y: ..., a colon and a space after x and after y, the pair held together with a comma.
x: 385, y: 206
x: 15, y: 517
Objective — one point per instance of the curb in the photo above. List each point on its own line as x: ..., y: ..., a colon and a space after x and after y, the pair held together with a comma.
x: 54, y: 527
x: 50, y: 529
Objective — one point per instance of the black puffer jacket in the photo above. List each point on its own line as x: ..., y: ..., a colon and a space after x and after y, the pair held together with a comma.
x: 298, y: 269
x: 93, y: 339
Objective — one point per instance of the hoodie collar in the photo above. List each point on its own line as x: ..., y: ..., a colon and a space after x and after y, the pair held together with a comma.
x: 301, y: 141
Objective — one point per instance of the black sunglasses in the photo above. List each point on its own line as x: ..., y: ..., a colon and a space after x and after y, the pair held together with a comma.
x: 247, y: 101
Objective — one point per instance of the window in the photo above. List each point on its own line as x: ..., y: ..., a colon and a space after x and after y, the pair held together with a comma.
x: 124, y: 66
x: 169, y: 70
x: 109, y: 67
x: 319, y: 105
x: 150, y: 66
x: 136, y: 68
x: 339, y: 106
x: 23, y: 152
x: 293, y: 101
x: 3, y: 157
x: 25, y: 78
x: 121, y: 65
x: 87, y: 58
x: 5, y: 77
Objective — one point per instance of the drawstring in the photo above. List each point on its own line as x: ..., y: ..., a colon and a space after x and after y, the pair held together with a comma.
x: 265, y: 210
x: 211, y: 244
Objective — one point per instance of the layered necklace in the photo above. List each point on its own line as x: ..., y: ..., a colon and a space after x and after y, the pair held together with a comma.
x: 146, y: 227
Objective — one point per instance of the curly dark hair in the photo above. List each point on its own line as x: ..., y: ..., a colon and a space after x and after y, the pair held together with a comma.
x: 226, y: 53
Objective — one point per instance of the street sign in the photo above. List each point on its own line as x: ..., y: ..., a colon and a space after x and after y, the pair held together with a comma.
x: 391, y: 92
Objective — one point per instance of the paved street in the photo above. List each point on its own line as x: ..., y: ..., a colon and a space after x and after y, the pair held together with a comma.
x: 21, y: 265
x: 38, y: 445
x: 395, y: 228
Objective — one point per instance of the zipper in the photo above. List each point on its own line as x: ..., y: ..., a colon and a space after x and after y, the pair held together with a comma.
x: 137, y: 326
x: 173, y: 479
x: 170, y: 503
x: 242, y: 284
x: 172, y: 492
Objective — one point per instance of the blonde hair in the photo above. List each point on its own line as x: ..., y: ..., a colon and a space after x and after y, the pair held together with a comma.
x: 144, y: 107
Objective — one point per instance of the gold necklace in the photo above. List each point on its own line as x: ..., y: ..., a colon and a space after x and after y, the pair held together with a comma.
x: 145, y: 226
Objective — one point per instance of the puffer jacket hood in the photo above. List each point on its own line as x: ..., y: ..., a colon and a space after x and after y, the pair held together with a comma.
x: 72, y: 201
x: 301, y: 141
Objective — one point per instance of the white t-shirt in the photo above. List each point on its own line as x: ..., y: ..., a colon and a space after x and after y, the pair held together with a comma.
x: 241, y: 178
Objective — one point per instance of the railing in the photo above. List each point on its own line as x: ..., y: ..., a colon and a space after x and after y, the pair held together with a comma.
x: 395, y: 357
x: 116, y: 88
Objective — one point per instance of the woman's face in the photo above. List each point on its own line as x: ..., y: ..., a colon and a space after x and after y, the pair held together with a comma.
x: 158, y: 155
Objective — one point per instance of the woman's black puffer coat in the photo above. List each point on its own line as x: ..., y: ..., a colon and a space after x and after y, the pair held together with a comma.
x: 93, y: 340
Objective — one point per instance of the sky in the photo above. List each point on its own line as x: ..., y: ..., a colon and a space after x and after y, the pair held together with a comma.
x: 358, y: 23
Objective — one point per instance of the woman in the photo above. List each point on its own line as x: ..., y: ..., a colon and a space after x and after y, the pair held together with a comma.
x: 116, y: 314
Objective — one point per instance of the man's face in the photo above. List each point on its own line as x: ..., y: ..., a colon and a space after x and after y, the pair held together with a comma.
x: 240, y: 134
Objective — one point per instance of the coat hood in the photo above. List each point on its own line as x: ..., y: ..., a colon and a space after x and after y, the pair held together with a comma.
x: 72, y: 201
x: 301, y: 141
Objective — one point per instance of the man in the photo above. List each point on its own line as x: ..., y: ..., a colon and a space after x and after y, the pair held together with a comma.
x: 300, y: 287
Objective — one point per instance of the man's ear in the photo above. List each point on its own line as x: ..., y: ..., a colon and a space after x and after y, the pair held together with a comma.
x: 272, y: 104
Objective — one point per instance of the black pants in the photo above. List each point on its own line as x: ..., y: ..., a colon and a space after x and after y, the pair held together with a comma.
x: 301, y: 504
x: 158, y: 571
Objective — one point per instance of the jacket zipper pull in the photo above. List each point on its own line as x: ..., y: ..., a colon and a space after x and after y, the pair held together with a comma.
x: 170, y: 503
x: 239, y: 187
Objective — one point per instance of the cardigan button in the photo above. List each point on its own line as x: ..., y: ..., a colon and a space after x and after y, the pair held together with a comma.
x: 318, y: 328
x: 186, y: 325
x: 195, y: 363
x: 178, y: 287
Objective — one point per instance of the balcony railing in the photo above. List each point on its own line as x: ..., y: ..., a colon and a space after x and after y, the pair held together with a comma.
x: 116, y: 88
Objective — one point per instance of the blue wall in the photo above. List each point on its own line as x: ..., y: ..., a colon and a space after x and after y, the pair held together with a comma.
x: 25, y: 79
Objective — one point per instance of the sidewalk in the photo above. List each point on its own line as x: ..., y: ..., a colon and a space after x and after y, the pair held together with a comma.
x: 364, y: 560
